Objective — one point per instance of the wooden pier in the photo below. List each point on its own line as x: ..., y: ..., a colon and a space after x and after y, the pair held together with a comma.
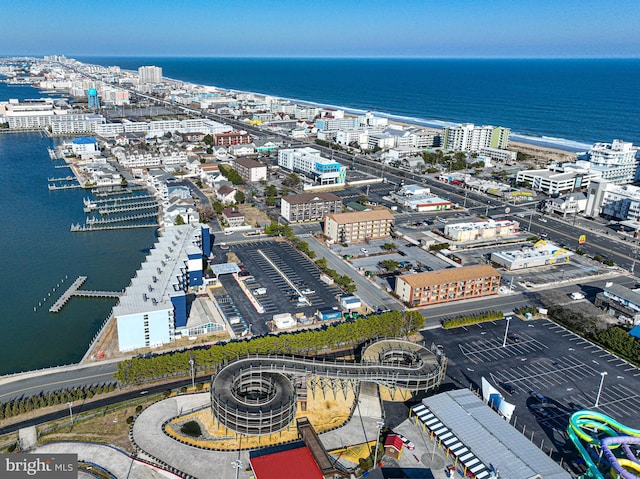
x: 66, y: 296
x: 74, y: 290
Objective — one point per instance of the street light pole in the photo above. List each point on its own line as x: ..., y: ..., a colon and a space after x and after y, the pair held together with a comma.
x: 602, y: 375
x: 530, y: 218
x: 70, y: 404
x: 506, y: 331
x: 193, y: 376
x: 379, y: 425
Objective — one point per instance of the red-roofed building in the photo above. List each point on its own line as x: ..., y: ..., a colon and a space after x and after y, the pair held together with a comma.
x: 291, y: 464
x: 393, y: 446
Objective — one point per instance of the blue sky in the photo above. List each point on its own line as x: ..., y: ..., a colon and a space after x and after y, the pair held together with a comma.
x: 301, y: 28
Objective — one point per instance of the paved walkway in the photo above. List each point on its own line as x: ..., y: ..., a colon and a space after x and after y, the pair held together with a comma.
x: 113, y: 460
x: 148, y: 435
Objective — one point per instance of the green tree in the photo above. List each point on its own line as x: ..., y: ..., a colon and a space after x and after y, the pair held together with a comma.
x: 240, y: 197
x: 292, y: 180
x: 389, y: 246
x: 271, y: 190
x: 208, y: 140
x: 389, y: 264
x: 179, y: 220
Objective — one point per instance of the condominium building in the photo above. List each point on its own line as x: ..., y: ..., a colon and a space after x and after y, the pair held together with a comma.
x: 309, y: 206
x: 619, y: 202
x: 233, y: 138
x: 468, y: 137
x: 498, y: 154
x: 150, y: 74
x: 153, y: 308
x: 615, y: 161
x: 443, y: 286
x: 358, y: 226
x: 249, y: 169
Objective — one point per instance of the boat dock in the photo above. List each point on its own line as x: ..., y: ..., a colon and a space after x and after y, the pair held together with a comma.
x: 65, y: 178
x: 88, y: 228
x: 74, y: 290
x: 62, y: 166
x: 91, y: 205
x: 120, y: 219
x: 147, y: 205
x: 63, y: 187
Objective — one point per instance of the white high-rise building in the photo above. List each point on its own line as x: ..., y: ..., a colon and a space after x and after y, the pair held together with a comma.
x: 468, y: 137
x: 150, y: 74
x: 616, y: 161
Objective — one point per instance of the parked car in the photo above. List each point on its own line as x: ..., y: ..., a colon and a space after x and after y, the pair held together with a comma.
x: 364, y: 250
x: 408, y: 444
x: 513, y: 337
x: 539, y: 397
x: 539, y: 410
x: 507, y: 387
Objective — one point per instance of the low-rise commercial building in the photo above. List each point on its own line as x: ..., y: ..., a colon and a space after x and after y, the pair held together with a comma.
x: 250, y: 170
x: 541, y: 254
x: 480, y: 442
x: 443, y: 286
x: 552, y: 182
x: 621, y: 302
x: 482, y: 230
x: 309, y: 206
x: 358, y: 226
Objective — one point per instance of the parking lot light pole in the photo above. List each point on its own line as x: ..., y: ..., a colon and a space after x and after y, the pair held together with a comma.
x: 602, y: 375
x: 379, y: 425
x: 506, y: 331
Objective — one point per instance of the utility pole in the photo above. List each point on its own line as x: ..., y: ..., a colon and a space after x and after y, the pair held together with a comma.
x: 193, y: 375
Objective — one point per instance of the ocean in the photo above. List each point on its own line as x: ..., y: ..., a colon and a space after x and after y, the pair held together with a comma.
x: 564, y: 103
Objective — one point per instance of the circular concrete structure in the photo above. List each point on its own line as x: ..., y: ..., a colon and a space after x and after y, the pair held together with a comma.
x: 255, y: 395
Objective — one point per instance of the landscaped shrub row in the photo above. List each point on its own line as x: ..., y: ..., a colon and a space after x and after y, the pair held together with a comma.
x: 472, y: 319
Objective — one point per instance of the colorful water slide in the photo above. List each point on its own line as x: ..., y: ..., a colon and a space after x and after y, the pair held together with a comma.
x: 606, y: 434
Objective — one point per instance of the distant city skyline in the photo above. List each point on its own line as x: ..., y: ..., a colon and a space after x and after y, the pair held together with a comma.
x: 329, y: 28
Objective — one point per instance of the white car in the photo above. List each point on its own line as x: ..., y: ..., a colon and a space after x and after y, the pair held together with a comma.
x: 364, y: 250
x: 408, y: 444
x: 228, y: 233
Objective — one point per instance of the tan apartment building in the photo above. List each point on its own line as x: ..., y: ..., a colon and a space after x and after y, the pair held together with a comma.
x: 309, y: 206
x: 358, y: 226
x: 250, y: 170
x: 452, y: 284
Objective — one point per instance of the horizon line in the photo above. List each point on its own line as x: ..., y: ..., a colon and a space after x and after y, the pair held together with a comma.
x: 329, y: 57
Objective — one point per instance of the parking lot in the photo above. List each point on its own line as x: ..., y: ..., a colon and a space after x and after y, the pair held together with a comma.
x: 285, y: 274
x: 544, y: 357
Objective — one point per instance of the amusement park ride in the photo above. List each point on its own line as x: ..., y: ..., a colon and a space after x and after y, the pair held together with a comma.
x: 608, y: 448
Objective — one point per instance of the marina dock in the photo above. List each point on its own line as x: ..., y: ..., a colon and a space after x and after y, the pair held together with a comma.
x: 74, y: 290
x: 63, y: 187
x: 146, y: 205
x: 120, y: 219
x: 88, y: 228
